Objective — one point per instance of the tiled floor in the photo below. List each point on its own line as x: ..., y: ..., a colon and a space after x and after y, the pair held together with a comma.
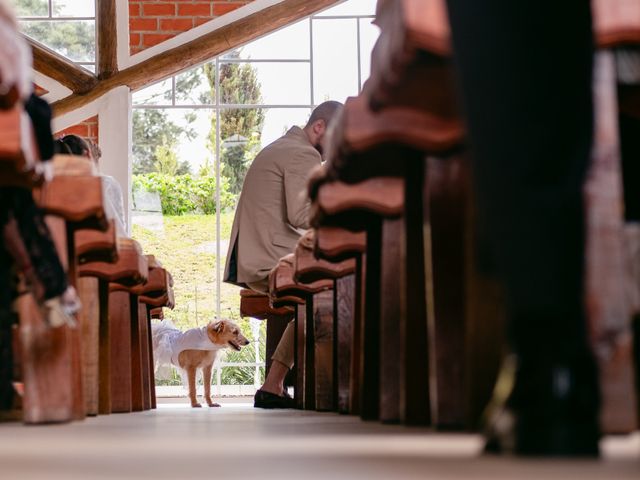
x: 238, y: 442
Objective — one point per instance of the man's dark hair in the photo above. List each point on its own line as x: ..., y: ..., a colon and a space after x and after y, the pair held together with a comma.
x: 325, y: 111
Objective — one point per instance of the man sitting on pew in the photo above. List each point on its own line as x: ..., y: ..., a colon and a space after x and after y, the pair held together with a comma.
x: 271, y: 216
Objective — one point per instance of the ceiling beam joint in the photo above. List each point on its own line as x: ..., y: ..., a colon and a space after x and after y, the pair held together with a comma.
x: 197, y: 51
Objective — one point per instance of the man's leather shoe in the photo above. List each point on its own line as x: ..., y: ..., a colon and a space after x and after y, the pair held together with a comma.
x: 270, y: 400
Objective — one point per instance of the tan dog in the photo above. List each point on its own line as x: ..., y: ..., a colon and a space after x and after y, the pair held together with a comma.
x: 196, y: 348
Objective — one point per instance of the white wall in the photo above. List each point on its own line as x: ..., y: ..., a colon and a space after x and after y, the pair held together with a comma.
x: 115, y: 142
x: 114, y: 117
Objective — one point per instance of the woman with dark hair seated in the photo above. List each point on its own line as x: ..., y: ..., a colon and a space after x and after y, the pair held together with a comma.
x: 75, y: 145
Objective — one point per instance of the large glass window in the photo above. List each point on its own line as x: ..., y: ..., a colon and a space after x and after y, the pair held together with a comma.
x: 196, y: 134
x: 66, y: 26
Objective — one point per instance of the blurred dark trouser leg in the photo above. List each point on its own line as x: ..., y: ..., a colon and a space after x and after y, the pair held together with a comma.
x: 525, y: 70
x: 38, y: 242
x: 630, y: 144
x: 6, y: 355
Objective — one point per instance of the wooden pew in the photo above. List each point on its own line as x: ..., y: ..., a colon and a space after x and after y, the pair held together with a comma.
x: 309, y: 269
x: 411, y: 61
x: 96, y: 245
x: 256, y: 305
x: 18, y: 150
x: 374, y: 206
x: 407, y: 111
x: 92, y: 246
x: 310, y: 300
x: 295, y: 305
x: 117, y: 312
x: 365, y: 145
x: 337, y: 244
x: 422, y: 26
x: 411, y: 66
x: 331, y: 360
x: 616, y: 23
x: 156, y: 293
x: 52, y: 357
x: 617, y: 27
x: 155, y: 313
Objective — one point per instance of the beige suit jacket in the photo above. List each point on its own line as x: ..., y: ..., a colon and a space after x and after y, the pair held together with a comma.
x: 273, y: 208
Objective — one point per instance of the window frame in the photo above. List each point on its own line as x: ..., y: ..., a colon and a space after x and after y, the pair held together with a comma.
x: 65, y: 18
x: 217, y: 108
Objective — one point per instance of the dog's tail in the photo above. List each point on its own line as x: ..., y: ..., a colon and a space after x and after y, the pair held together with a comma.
x: 161, y: 333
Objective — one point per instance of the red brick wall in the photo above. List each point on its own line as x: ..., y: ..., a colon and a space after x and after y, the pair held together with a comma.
x: 154, y: 21
x: 38, y: 90
x: 85, y: 129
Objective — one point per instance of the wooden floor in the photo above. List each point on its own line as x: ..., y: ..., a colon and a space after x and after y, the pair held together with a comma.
x: 238, y: 442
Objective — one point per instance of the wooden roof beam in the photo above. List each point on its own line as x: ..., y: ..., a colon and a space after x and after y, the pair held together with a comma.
x: 55, y: 66
x: 197, y: 51
x: 107, y: 39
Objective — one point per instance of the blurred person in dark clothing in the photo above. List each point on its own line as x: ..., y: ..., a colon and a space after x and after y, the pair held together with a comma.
x: 525, y: 72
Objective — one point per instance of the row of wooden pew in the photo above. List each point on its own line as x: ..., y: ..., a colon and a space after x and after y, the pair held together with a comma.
x: 105, y: 364
x: 396, y: 317
x: 362, y: 280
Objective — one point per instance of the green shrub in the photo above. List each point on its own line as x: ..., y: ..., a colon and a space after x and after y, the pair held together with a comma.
x: 182, y: 194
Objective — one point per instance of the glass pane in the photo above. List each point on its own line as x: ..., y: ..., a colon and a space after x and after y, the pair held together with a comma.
x: 31, y: 8
x: 186, y: 131
x: 73, y: 8
x: 241, y: 139
x: 237, y: 375
x: 351, y: 7
x: 279, y: 120
x: 196, y: 86
x: 369, y: 34
x: 89, y: 66
x: 156, y: 94
x: 269, y: 83
x: 289, y: 43
x: 241, y: 132
x: 244, y: 132
x: 335, y: 59
x: 75, y: 39
x: 174, y: 191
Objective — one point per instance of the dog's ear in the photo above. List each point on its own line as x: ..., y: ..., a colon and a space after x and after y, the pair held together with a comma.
x: 218, y: 327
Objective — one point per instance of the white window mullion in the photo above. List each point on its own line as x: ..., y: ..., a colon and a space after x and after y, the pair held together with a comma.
x: 357, y: 20
x: 218, y: 229
x: 312, y: 102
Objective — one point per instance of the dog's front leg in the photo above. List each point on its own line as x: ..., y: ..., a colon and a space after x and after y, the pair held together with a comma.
x: 206, y: 379
x: 191, y: 375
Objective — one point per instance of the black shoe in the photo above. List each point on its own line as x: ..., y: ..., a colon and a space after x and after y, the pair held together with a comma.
x: 552, y: 410
x: 269, y: 400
